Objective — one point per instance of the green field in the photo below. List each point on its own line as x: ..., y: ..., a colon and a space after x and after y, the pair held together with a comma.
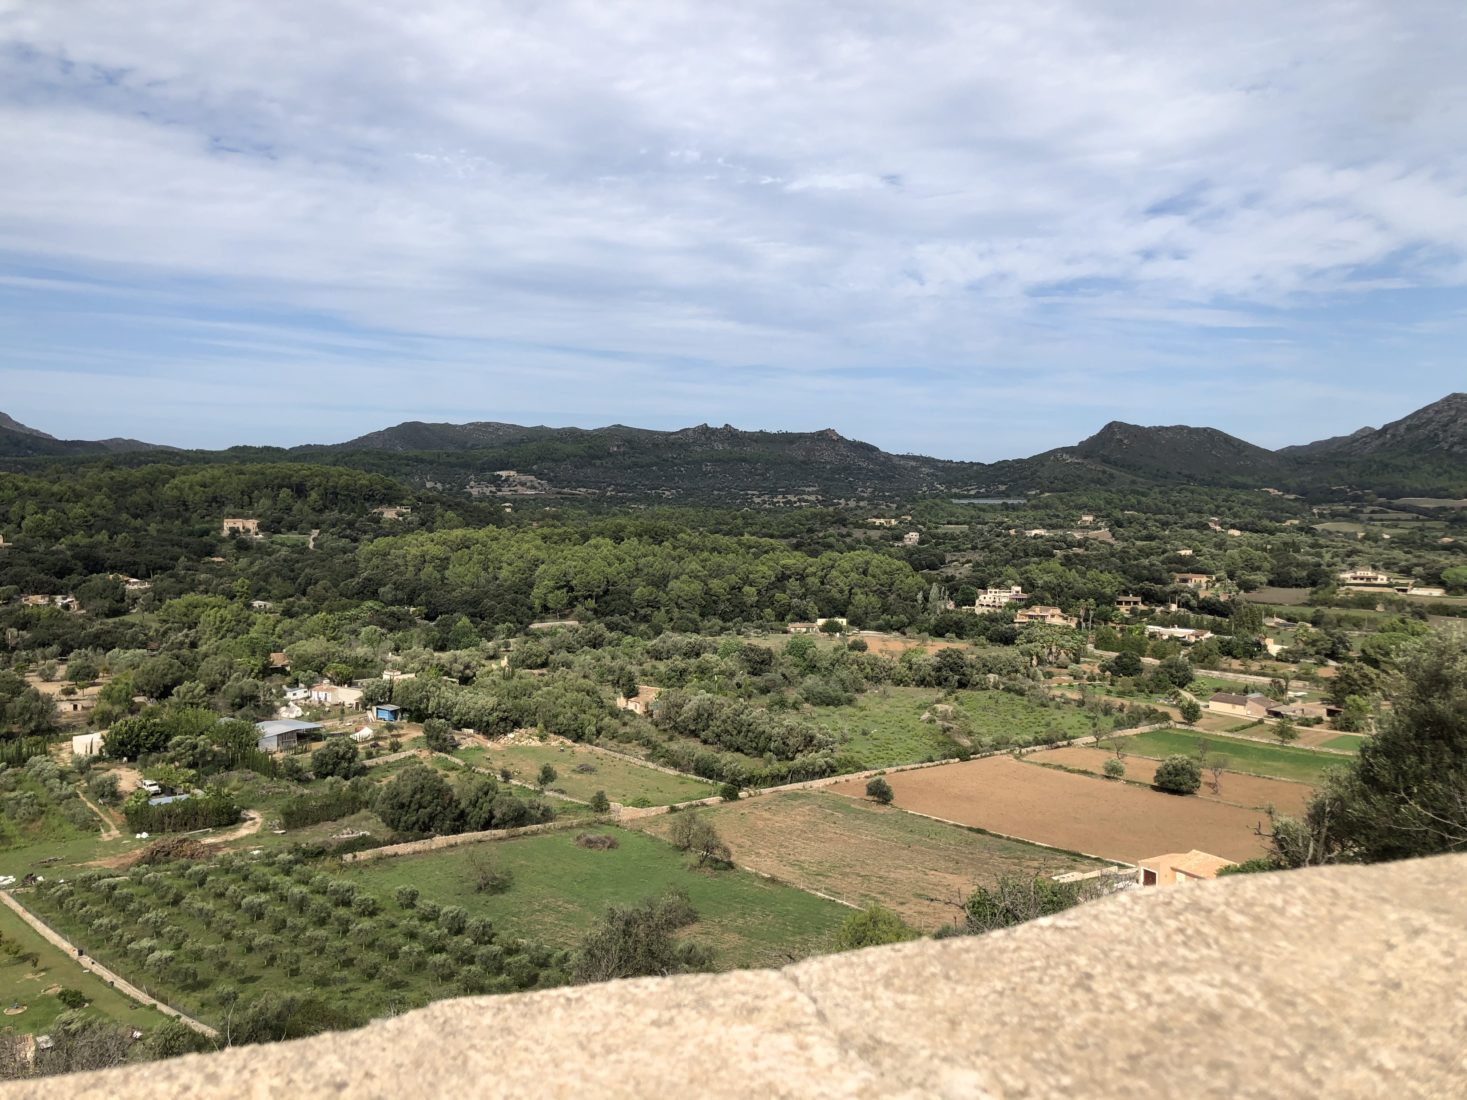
x: 1345, y: 742
x: 560, y: 889
x: 24, y: 984
x: 884, y: 727
x: 583, y: 771
x: 1276, y: 761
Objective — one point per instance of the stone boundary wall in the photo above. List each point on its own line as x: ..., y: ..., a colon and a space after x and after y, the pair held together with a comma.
x: 436, y: 843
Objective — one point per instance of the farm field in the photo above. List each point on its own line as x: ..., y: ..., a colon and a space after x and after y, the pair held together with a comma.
x: 560, y: 889
x: 1235, y: 787
x: 204, y: 935
x: 1074, y: 812
x: 884, y: 728
x: 583, y: 772
x: 864, y: 853
x: 1344, y: 742
x: 34, y: 986
x: 1258, y: 757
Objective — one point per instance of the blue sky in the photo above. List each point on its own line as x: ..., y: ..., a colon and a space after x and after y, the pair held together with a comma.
x: 974, y: 231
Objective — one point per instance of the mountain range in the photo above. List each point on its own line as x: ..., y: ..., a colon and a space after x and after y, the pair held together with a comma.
x: 1422, y: 453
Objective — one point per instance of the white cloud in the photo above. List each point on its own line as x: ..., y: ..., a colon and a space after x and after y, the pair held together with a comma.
x: 669, y: 190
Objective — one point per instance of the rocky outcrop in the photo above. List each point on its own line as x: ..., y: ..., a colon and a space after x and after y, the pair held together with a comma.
x: 1340, y: 982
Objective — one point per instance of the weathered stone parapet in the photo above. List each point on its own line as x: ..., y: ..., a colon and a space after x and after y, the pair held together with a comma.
x: 1341, y: 982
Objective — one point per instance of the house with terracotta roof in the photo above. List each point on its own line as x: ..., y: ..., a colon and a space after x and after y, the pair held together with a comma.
x: 1181, y: 868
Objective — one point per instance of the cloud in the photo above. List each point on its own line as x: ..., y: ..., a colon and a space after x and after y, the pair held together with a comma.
x: 474, y: 199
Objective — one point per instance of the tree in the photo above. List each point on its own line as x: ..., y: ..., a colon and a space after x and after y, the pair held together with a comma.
x: 1124, y: 664
x: 692, y: 832
x: 1405, y: 794
x: 878, y: 789
x: 547, y: 775
x: 1354, y: 716
x: 1176, y: 671
x: 1285, y: 732
x: 438, y: 735
x: 1215, y: 766
x: 600, y: 803
x: 1113, y: 768
x: 1191, y: 711
x: 81, y: 671
x: 640, y: 940
x: 419, y: 800
x: 1178, y: 775
x: 872, y: 927
x: 405, y: 896
x: 338, y: 757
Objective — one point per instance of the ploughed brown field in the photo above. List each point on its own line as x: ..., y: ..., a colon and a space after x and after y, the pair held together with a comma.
x: 1077, y: 812
x: 1246, y: 790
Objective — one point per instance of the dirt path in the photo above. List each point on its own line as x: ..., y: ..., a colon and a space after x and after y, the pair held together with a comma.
x: 252, y: 824
x: 86, y: 962
x: 109, y: 830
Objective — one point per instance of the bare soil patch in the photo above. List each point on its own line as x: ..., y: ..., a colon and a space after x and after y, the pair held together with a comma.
x: 1244, y: 790
x: 1077, y: 812
x: 894, y: 645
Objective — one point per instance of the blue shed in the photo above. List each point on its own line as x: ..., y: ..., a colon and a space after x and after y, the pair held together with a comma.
x: 387, y: 712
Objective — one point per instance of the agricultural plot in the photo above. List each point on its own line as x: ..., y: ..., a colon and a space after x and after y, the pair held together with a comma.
x: 32, y: 974
x: 863, y: 853
x: 1239, y: 788
x: 1078, y: 813
x: 205, y: 936
x: 559, y: 890
x: 1344, y: 742
x: 1257, y: 757
x: 582, y: 771
x: 884, y: 728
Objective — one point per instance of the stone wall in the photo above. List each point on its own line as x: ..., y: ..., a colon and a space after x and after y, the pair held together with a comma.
x: 1339, y: 982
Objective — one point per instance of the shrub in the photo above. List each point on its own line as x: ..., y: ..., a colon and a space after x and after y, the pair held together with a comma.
x: 72, y: 998
x: 1113, y: 768
x: 871, y: 927
x: 1178, y: 774
x: 879, y: 789
x: 406, y: 896
x: 600, y: 803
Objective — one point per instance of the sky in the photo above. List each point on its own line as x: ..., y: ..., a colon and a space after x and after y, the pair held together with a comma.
x: 967, y: 230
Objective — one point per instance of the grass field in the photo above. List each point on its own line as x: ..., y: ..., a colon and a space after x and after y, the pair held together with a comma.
x: 560, y: 889
x: 24, y: 984
x: 884, y: 728
x: 583, y: 772
x: 863, y: 853
x: 1259, y: 758
x: 1345, y: 742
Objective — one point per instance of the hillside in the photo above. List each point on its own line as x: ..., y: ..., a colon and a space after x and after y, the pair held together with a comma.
x: 1178, y: 452
x: 19, y: 440
x: 1436, y: 431
x: 702, y: 461
x: 1422, y: 453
